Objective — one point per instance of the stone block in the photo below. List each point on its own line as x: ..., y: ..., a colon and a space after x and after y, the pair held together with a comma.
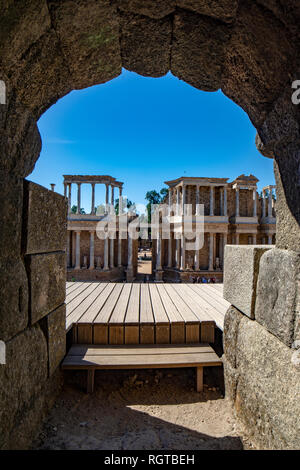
x: 13, y: 297
x: 45, y: 219
x: 231, y: 328
x: 278, y: 294
x: 47, y: 280
x: 267, y: 389
x: 54, y: 327
x: 22, y: 377
x: 241, y: 268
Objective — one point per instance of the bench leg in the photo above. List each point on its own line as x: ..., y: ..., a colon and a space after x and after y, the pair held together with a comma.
x: 90, y: 380
x: 199, y: 374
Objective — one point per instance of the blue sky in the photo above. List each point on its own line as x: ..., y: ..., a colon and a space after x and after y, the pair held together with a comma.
x: 144, y: 131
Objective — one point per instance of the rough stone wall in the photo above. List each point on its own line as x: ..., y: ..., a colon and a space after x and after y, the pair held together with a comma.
x: 262, y: 343
x: 33, y: 322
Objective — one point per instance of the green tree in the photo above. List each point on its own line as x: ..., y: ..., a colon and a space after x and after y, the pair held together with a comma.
x: 154, y: 197
x: 126, y: 205
x: 74, y: 210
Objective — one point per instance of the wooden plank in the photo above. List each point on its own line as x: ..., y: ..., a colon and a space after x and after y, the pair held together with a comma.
x: 107, y: 309
x: 97, y: 305
x: 100, y: 334
x: 186, y: 312
x: 82, y: 303
x: 153, y: 349
x: 119, y: 312
x: 207, y: 330
x: 75, y: 292
x: 84, y: 334
x: 70, y: 286
x: 132, y: 334
x: 199, y: 379
x: 210, y: 292
x: 71, y: 306
x: 85, y: 330
x: 116, y: 334
x: 133, y: 308
x: 212, y: 306
x: 192, y: 333
x: 162, y: 323
x: 176, y: 321
x: 90, y: 380
x: 146, y: 316
x: 144, y: 361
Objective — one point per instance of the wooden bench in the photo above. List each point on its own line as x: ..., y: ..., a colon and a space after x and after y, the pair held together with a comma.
x: 92, y: 357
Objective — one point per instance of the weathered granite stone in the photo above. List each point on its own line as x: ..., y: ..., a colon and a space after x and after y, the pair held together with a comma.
x: 13, y: 297
x: 267, y: 389
x: 145, y: 44
x: 224, y: 10
x: 253, y: 66
x: 230, y: 332
x: 198, y: 46
x: 286, y: 167
x: 45, y: 223
x: 231, y: 377
x: 54, y: 327
x: 278, y: 294
x: 22, y: 377
x: 89, y: 38
x: 47, y: 280
x: 155, y: 9
x: 240, y: 275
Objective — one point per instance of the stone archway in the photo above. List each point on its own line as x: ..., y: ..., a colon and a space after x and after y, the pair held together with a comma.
x: 247, y: 48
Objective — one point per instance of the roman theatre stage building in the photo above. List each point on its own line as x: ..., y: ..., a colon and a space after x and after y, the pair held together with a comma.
x: 91, y: 255
x: 234, y: 213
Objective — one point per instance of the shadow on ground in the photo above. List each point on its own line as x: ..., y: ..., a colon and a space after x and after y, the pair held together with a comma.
x: 149, y: 410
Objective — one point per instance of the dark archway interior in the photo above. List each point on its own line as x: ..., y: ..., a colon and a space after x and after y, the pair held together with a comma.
x: 249, y: 49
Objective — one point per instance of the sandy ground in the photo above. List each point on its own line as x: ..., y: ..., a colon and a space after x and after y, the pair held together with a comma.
x: 148, y: 409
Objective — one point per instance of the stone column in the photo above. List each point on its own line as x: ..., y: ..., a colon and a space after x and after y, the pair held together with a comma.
x: 222, y: 249
x: 263, y: 204
x: 112, y: 201
x: 158, y: 253
x: 73, y: 249
x: 237, y: 202
x: 182, y: 257
x: 183, y: 199
x: 93, y: 199
x: 65, y: 189
x: 270, y: 240
x: 106, y: 197
x: 197, y: 199
x: 178, y: 200
x: 211, y: 201
x: 225, y: 202
x: 119, y: 251
x: 211, y: 252
x: 254, y: 239
x: 92, y: 252
x: 105, y: 264
x: 78, y: 198
x: 77, y: 253
x: 237, y: 238
x: 112, y: 252
x: 221, y: 202
x: 69, y: 233
x: 197, y: 257
x: 69, y: 197
x: 130, y: 255
x: 270, y: 203
x: 254, y: 203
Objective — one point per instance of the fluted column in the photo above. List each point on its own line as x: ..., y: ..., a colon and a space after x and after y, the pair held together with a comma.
x: 69, y: 197
x: 263, y: 203
x: 112, y: 252
x: 120, y: 201
x: 237, y: 238
x: 78, y: 197
x: 158, y: 253
x: 225, y: 201
x: 254, y: 203
x: 105, y: 265
x: 211, y: 201
x: 106, y: 197
x: 183, y: 199
x: 93, y: 199
x: 270, y: 203
x: 211, y: 252
x: 68, y: 248
x: 92, y: 251
x: 112, y: 200
x: 178, y: 201
x: 65, y: 189
x: 237, y: 202
x: 197, y: 199
x: 77, y: 253
x: 182, y: 257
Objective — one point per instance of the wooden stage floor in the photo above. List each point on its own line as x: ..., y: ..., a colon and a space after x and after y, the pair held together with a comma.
x: 152, y: 313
